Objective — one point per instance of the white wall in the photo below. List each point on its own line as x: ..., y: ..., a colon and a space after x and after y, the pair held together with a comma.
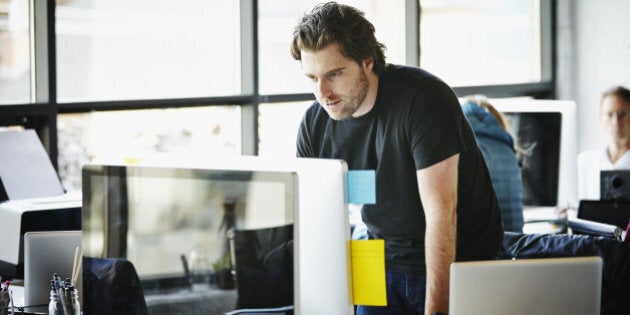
x: 593, y: 55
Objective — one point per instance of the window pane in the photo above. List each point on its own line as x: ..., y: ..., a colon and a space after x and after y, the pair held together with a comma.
x: 484, y: 42
x: 117, y: 49
x: 120, y: 135
x: 279, y: 73
x: 14, y: 52
x: 277, y: 127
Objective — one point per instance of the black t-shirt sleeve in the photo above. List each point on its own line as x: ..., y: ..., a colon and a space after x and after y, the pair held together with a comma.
x: 435, y: 125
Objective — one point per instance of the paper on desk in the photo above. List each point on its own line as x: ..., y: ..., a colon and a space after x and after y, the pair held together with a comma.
x: 368, y: 272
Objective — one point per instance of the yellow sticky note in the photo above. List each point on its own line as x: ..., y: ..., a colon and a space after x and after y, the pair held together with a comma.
x: 368, y: 272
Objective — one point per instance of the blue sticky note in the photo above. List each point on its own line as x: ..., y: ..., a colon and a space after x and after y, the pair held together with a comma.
x: 362, y: 187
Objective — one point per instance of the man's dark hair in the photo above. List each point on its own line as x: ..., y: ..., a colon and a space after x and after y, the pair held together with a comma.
x: 618, y: 91
x: 342, y: 24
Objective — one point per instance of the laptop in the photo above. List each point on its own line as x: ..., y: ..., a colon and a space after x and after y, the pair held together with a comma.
x: 47, y: 253
x: 558, y: 286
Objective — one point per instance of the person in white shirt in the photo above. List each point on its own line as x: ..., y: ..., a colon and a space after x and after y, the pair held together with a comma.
x: 615, y: 116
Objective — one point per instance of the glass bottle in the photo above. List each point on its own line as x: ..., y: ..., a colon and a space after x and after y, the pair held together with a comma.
x: 54, y: 306
x: 74, y: 308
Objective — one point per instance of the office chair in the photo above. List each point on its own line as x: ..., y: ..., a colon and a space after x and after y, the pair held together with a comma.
x: 112, y: 286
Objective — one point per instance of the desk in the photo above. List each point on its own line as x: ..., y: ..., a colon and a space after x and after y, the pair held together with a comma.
x: 183, y: 301
x: 546, y: 220
x: 17, y: 290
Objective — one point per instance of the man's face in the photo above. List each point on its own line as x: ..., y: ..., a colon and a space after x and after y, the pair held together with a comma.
x: 339, y: 84
x: 616, y: 118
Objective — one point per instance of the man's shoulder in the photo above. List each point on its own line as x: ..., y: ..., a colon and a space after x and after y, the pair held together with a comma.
x: 412, y: 73
x: 404, y: 80
x: 413, y: 86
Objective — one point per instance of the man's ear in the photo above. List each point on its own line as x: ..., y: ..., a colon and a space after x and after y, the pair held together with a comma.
x: 368, y: 65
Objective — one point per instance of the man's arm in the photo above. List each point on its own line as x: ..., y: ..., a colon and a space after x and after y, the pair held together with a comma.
x: 437, y: 185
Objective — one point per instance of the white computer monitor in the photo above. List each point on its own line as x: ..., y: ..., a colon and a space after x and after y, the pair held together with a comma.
x: 545, y: 131
x: 309, y: 194
x: 323, y: 267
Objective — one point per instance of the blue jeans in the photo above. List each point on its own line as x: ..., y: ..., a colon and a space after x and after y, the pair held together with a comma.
x: 405, y: 295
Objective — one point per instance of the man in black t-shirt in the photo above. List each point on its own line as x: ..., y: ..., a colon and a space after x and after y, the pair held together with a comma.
x: 435, y: 203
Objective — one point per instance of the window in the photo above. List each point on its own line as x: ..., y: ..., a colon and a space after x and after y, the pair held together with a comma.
x: 191, y: 64
x: 117, y: 136
x: 487, y: 42
x: 278, y: 126
x: 147, y: 49
x: 15, y: 63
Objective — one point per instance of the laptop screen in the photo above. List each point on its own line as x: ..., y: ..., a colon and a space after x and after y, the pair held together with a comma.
x: 47, y: 253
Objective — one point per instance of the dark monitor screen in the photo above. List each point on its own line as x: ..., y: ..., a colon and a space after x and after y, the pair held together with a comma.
x: 614, y: 212
x: 223, y: 236
x: 544, y: 131
x: 537, y: 137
